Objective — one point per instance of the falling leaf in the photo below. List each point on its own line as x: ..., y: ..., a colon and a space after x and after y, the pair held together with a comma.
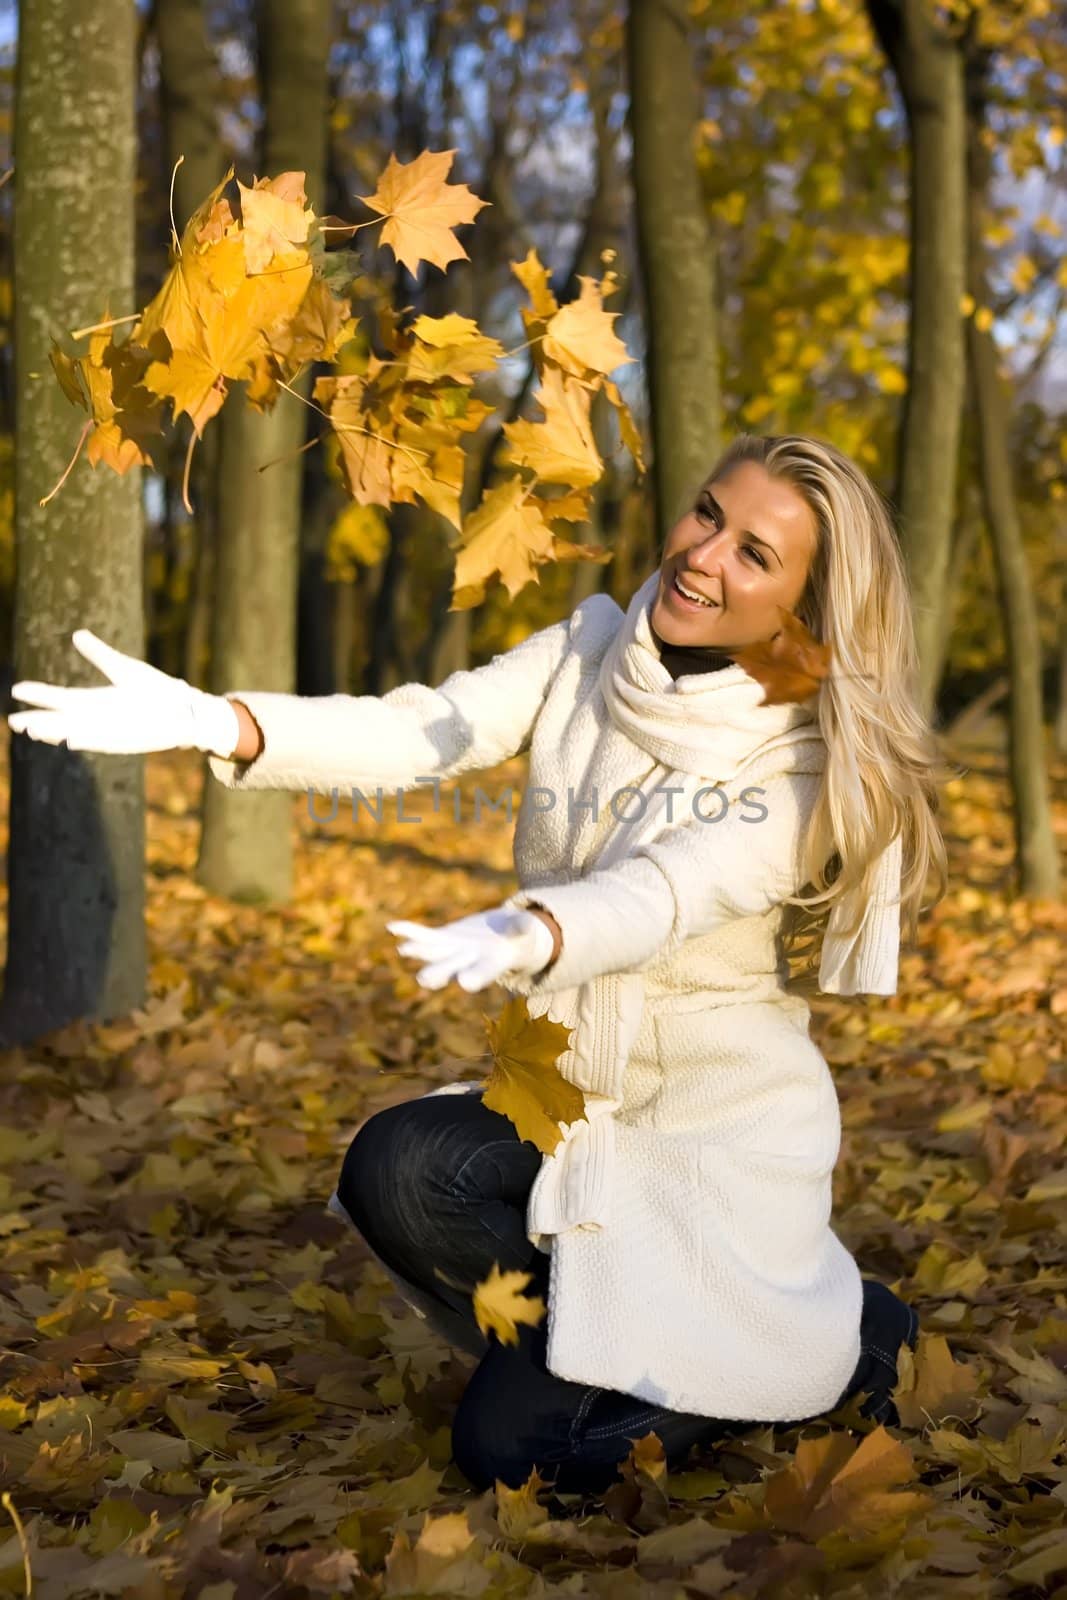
x: 525, y: 1084
x: 580, y: 337
x: 791, y: 666
x: 421, y: 209
x: 500, y: 1305
x: 506, y: 535
x: 562, y: 448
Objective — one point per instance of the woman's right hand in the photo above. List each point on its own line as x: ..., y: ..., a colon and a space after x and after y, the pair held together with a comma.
x: 142, y: 709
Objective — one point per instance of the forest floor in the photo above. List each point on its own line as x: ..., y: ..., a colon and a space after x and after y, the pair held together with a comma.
x: 209, y: 1392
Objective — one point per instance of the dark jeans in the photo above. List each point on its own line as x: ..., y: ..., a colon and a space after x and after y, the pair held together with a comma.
x: 438, y: 1187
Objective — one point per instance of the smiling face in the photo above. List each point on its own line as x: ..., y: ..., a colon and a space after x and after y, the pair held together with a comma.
x: 747, y: 546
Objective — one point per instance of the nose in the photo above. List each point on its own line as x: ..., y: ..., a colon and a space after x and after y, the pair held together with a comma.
x: 705, y: 556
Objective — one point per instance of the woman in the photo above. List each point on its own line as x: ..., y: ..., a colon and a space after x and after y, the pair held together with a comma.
x: 680, y: 1232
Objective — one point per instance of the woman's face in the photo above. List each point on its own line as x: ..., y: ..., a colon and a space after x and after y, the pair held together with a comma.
x: 747, y: 547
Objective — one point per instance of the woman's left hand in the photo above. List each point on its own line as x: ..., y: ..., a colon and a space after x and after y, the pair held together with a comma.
x: 477, y: 950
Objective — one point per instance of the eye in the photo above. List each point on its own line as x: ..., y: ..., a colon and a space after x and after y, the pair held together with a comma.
x: 705, y: 512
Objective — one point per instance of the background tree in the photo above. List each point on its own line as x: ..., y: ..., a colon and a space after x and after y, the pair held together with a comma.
x: 676, y: 254
x: 246, y: 850
x: 1037, y: 852
x: 927, y: 55
x: 76, y: 858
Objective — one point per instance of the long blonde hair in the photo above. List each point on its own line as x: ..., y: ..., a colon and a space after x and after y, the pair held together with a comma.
x: 885, y: 762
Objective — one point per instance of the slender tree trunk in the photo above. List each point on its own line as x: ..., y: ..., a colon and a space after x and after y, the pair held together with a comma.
x: 927, y: 61
x: 1037, y: 858
x: 189, y: 96
x: 676, y: 255
x: 246, y: 843
x: 1061, y: 705
x: 76, y: 939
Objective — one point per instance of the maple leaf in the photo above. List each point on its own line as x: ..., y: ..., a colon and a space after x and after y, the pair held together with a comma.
x: 791, y: 666
x: 108, y: 383
x: 580, y: 337
x: 365, y: 451
x: 834, y: 1486
x: 525, y: 1084
x: 275, y: 219
x: 533, y: 276
x: 628, y: 429
x: 450, y: 347
x: 500, y: 1305
x: 562, y: 448
x: 506, y: 535
x: 421, y: 209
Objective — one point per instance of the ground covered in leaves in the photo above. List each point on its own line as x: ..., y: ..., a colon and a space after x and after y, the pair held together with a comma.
x: 210, y: 1393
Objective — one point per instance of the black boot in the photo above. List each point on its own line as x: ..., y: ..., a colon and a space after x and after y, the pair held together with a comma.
x: 886, y: 1323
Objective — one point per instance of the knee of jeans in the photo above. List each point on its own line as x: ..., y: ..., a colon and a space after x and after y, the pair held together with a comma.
x: 371, y: 1172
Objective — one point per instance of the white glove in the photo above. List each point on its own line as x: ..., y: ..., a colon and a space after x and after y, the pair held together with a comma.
x: 477, y: 950
x: 142, y: 709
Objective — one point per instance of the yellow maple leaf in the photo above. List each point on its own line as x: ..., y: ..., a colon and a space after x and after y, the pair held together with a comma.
x: 525, y: 1084
x: 628, y: 429
x: 450, y: 347
x: 500, y: 1305
x: 533, y: 275
x: 562, y: 448
x: 507, y: 535
x: 421, y: 209
x: 365, y: 452
x: 580, y: 336
x: 275, y: 218
x: 107, y: 382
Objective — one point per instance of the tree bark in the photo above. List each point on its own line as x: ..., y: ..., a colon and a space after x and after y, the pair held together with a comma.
x: 189, y: 98
x: 76, y: 939
x: 246, y: 847
x: 676, y: 255
x: 1037, y: 854
x: 927, y: 61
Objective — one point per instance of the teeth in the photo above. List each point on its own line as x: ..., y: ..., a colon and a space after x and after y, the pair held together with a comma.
x: 689, y: 594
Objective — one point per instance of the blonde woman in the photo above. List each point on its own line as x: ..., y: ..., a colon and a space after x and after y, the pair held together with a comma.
x: 679, y: 846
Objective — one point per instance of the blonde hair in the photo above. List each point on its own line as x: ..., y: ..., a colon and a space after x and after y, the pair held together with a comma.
x: 885, y: 762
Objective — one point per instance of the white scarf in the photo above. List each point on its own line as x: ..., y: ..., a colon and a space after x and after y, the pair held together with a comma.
x: 710, y: 726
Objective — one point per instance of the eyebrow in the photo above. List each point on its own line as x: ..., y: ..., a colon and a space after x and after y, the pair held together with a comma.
x: 747, y: 533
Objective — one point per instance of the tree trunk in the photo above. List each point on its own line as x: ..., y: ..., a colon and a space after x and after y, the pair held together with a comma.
x: 1037, y: 857
x: 189, y: 97
x: 246, y: 842
x: 76, y: 939
x: 676, y: 255
x: 928, y: 64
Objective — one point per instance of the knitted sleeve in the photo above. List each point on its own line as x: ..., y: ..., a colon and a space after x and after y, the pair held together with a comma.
x: 408, y: 736
x: 695, y: 876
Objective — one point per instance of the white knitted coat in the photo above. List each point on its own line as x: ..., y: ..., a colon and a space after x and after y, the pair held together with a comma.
x: 692, y: 1259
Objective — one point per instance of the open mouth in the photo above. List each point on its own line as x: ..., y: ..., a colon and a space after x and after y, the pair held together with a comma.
x: 692, y: 601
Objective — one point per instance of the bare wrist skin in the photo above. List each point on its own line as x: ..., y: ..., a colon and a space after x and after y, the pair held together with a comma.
x: 250, y: 743
x: 554, y: 929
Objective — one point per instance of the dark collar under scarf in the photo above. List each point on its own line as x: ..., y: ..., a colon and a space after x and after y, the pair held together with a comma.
x: 683, y: 658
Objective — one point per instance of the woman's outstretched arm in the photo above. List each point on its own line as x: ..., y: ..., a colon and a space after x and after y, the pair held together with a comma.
x: 626, y: 917
x: 412, y: 734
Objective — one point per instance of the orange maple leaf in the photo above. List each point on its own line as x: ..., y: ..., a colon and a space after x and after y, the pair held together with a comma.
x: 421, y: 209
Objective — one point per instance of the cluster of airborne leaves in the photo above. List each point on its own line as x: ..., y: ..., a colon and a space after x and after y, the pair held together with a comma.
x: 210, y: 1392
x: 251, y: 297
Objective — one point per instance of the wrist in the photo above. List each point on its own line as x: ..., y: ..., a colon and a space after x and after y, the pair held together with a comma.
x: 554, y: 943
x: 216, y: 725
